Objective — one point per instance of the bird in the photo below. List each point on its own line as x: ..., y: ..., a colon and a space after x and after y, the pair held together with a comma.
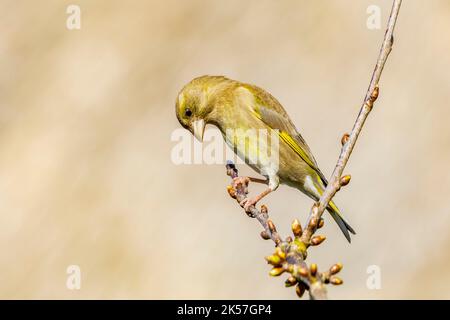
x: 234, y: 106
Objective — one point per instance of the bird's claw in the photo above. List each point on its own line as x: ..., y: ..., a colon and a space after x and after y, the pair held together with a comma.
x: 241, y: 181
x: 247, y: 203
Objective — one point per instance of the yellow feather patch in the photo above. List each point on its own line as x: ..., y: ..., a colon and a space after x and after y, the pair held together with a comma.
x: 331, y: 203
x: 289, y: 140
x: 294, y: 146
x: 333, y: 206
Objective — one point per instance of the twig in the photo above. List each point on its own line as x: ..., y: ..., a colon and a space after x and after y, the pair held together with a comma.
x: 239, y: 191
x: 349, y: 140
x: 290, y: 254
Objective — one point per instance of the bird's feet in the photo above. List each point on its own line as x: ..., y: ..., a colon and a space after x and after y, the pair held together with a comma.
x: 248, y: 202
x: 241, y: 185
x: 243, y: 181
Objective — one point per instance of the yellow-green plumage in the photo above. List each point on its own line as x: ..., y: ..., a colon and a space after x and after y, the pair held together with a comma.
x: 230, y: 104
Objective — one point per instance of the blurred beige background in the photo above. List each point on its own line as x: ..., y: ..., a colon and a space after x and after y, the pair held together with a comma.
x: 86, y: 176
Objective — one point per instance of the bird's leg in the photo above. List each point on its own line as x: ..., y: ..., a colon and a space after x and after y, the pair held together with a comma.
x: 242, y: 182
x: 248, y: 202
x: 258, y: 180
x: 273, y: 182
x: 246, y: 180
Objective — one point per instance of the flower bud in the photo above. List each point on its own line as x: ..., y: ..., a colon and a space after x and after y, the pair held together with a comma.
x: 231, y: 192
x: 336, y: 268
x: 271, y: 226
x: 291, y: 281
x: 275, y: 272
x: 300, y: 290
x: 264, y: 235
x: 336, y: 281
x: 313, y: 269
x: 296, y: 228
x: 345, y: 138
x: 321, y: 223
x: 316, y: 240
x: 303, y: 271
x: 273, y: 260
x: 375, y: 93
x: 279, y: 252
x: 345, y: 180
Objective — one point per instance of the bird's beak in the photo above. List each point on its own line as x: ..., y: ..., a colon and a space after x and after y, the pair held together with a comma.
x: 199, y: 129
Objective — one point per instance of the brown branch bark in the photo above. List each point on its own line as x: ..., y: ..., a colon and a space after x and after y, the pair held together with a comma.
x: 290, y: 254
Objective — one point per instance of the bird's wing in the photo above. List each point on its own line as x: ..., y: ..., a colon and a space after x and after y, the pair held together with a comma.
x: 271, y: 112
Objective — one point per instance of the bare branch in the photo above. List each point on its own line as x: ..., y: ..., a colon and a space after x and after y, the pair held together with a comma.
x: 290, y: 254
x: 336, y: 181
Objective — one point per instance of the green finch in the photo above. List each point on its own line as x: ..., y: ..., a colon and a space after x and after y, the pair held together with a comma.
x: 233, y: 106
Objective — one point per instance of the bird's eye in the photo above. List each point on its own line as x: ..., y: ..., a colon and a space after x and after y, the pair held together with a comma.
x: 188, y: 112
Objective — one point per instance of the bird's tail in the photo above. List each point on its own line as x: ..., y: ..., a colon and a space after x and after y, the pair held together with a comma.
x: 337, y: 216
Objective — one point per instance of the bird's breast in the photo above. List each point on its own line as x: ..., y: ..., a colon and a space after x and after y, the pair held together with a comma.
x: 256, y: 146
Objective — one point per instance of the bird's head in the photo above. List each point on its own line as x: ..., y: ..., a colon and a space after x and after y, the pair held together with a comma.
x: 195, y: 104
